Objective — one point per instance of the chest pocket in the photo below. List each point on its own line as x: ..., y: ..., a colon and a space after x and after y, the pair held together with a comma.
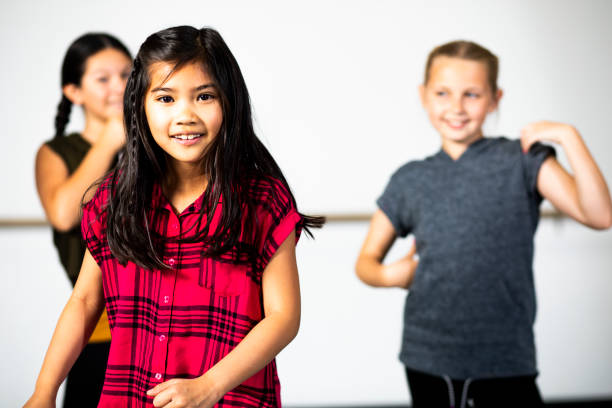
x: 225, y: 279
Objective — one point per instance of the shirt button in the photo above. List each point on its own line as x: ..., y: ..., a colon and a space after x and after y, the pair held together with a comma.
x: 158, y: 376
x: 166, y: 299
x: 162, y: 338
x: 171, y: 261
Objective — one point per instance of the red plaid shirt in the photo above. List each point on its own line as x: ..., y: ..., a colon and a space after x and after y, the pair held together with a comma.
x: 179, y: 323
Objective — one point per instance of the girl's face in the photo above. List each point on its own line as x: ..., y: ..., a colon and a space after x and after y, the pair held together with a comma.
x: 183, y: 111
x: 458, y: 98
x: 102, y: 84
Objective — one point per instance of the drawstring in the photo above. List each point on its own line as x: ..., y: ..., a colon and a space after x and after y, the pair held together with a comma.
x: 466, y: 385
x: 451, y: 390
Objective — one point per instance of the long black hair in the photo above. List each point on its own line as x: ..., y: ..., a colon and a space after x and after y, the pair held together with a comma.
x: 235, y: 157
x: 73, y: 68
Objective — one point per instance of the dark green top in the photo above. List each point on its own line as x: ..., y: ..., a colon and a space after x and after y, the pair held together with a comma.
x: 70, y: 246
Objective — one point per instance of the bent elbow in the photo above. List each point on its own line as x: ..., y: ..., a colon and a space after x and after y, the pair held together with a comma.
x: 294, y: 330
x: 290, y: 331
x: 61, y: 220
x: 606, y: 223
x: 359, y: 270
x: 368, y: 271
x: 62, y: 226
x: 601, y: 224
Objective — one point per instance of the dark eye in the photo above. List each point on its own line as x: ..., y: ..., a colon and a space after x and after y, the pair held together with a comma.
x: 165, y: 99
x: 103, y: 79
x: 441, y: 93
x: 205, y: 97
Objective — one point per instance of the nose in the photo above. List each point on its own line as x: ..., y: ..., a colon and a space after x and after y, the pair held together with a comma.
x: 185, y: 114
x: 457, y: 104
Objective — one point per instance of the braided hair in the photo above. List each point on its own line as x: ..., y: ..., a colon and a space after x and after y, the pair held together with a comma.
x: 73, y: 68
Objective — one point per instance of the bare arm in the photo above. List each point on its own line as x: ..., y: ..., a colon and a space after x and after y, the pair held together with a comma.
x: 281, y: 295
x: 584, y: 195
x: 73, y: 329
x: 61, y: 193
x: 370, y: 268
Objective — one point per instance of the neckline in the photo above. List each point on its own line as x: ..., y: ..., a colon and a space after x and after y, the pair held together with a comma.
x: 161, y: 201
x: 467, y: 152
x: 78, y: 136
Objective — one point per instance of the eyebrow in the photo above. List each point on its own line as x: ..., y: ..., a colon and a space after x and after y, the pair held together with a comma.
x: 199, y: 88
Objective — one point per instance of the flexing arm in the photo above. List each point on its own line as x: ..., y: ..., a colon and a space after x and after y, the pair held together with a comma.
x: 73, y: 329
x: 281, y: 301
x: 369, y: 266
x: 584, y: 195
x: 61, y: 193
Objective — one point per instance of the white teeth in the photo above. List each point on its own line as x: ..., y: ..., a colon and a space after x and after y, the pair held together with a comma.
x: 186, y: 137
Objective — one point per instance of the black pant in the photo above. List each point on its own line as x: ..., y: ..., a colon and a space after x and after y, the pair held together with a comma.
x: 85, y: 380
x: 431, y: 391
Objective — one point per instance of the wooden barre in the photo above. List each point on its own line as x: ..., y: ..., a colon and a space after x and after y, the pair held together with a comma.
x: 333, y: 218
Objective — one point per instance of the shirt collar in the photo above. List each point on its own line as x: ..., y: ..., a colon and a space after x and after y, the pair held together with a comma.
x: 160, y: 202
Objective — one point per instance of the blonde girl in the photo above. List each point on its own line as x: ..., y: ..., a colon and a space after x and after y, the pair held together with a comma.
x: 473, y: 208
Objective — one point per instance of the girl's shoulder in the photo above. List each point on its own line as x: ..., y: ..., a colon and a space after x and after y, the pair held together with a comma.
x: 94, y: 215
x: 502, y: 144
x: 269, y: 193
x: 501, y: 149
x: 416, y: 168
x: 100, y: 198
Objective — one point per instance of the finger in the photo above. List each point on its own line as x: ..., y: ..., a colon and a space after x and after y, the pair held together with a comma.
x: 162, y: 399
x: 171, y: 404
x: 412, y: 251
x: 159, y: 388
x: 528, y: 138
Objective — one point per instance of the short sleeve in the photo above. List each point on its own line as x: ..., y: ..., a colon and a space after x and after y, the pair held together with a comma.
x: 278, y: 217
x: 532, y: 161
x: 93, y: 223
x: 392, y: 202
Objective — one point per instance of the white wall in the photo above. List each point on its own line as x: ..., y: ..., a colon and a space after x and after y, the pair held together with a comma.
x: 333, y: 83
x: 333, y: 86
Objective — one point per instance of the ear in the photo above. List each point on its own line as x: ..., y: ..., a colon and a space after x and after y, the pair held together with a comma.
x: 73, y: 93
x: 422, y: 94
x: 498, y: 96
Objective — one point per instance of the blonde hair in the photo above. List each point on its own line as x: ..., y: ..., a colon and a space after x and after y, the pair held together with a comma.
x: 470, y: 51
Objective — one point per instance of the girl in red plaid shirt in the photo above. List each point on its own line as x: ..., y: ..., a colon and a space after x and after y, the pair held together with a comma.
x: 190, y: 243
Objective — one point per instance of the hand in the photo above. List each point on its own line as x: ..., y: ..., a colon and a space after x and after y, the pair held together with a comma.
x: 113, y: 134
x: 188, y: 393
x: 554, y: 132
x: 401, y: 273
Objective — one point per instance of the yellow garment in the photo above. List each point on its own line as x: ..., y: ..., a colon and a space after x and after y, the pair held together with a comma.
x: 102, y: 331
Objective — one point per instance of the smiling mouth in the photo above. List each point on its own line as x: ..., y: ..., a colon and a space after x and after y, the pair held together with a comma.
x: 187, y: 136
x: 456, y: 124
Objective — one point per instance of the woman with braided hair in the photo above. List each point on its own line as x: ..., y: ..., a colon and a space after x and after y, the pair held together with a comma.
x: 94, y: 73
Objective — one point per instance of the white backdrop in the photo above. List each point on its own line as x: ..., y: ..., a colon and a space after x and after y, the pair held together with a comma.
x: 333, y: 86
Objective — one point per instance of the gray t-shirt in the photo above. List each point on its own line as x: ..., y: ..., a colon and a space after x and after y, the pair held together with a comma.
x: 470, y: 310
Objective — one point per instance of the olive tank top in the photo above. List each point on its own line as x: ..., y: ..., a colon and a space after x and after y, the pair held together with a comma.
x: 70, y: 246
